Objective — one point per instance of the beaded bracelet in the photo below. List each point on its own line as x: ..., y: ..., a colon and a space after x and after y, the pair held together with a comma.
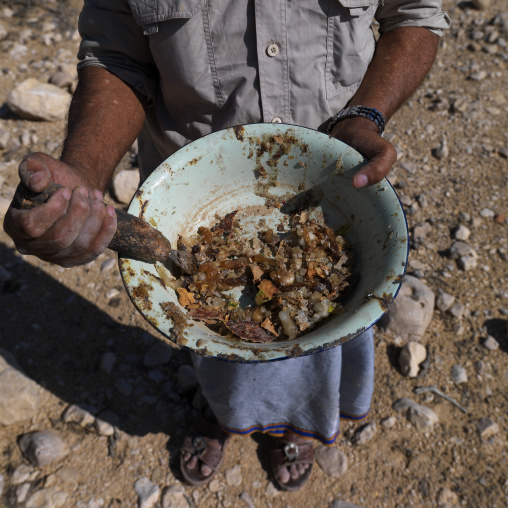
x: 370, y: 113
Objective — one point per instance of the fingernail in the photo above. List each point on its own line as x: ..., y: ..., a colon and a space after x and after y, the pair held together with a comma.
x: 67, y: 193
x: 83, y: 191
x: 361, y: 180
x: 35, y: 178
x: 111, y: 211
x: 98, y: 194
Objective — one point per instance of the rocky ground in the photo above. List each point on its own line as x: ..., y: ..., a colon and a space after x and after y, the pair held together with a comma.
x: 94, y: 404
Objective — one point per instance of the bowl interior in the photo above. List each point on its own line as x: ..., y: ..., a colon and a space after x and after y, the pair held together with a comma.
x: 250, y: 169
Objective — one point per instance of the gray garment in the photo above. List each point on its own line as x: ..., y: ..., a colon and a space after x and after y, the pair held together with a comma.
x: 301, y: 395
x: 205, y: 65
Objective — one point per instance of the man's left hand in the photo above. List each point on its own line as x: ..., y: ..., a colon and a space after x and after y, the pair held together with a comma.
x: 362, y: 135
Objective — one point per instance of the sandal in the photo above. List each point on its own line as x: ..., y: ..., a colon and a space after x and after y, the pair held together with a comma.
x: 288, y: 451
x: 198, y: 443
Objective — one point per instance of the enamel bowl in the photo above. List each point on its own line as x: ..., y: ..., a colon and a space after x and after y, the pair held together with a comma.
x: 251, y: 168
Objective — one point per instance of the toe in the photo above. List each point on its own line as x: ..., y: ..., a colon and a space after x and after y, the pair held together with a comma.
x: 283, y: 475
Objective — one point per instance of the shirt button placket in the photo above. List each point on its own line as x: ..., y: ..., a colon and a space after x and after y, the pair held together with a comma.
x: 272, y: 60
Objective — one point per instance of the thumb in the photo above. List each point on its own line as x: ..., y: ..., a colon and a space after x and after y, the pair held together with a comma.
x: 379, y: 165
x: 34, y: 171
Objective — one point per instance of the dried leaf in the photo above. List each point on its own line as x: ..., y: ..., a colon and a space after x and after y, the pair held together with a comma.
x: 249, y: 330
x: 205, y: 315
x: 268, y: 325
x: 257, y: 272
x: 268, y: 288
x: 184, y: 297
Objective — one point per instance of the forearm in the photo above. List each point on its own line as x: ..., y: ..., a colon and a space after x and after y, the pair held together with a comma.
x: 402, y: 59
x: 105, y: 117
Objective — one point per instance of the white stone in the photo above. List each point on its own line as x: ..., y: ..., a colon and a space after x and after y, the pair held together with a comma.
x: 234, y: 476
x: 22, y: 492
x: 105, y: 423
x: 23, y: 473
x: 34, y: 100
x: 331, y: 460
x: 365, y: 434
x: 486, y: 428
x: 43, y: 447
x: 173, y: 497
x: 459, y: 374
x: 124, y: 185
x: 422, y: 417
x: 411, y: 313
x: 462, y: 233
x: 82, y: 414
x: 491, y: 343
x: 410, y: 358
x: 444, y: 301
x: 148, y: 493
x: 19, y: 395
x: 446, y: 498
x: 47, y: 498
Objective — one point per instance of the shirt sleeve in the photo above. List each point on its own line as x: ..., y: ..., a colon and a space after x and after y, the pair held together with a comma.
x: 421, y: 13
x: 111, y: 38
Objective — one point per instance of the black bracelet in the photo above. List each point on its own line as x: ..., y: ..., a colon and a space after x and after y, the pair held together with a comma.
x: 370, y: 113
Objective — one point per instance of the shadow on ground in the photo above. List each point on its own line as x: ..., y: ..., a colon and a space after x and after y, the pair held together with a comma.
x: 58, y: 338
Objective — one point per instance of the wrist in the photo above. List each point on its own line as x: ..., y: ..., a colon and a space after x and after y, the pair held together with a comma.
x: 372, y: 115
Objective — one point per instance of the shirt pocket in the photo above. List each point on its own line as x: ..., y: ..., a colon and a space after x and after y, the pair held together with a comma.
x: 350, y: 44
x: 180, y: 44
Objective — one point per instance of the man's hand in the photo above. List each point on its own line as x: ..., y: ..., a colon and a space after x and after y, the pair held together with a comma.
x: 73, y: 227
x: 362, y: 135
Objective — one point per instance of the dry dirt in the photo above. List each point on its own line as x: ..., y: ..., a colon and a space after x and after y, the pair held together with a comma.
x: 59, y: 322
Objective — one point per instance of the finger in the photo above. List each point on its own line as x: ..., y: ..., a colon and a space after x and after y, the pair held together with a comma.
x: 99, y: 227
x: 34, y: 171
x: 377, y: 168
x: 61, y: 236
x: 34, y: 223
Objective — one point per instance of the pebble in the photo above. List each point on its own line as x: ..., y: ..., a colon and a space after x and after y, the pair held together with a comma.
x: 69, y: 475
x: 491, y: 343
x: 34, y: 100
x: 365, y: 434
x: 446, y: 498
x: 234, y: 476
x: 148, y: 493
x: 43, y: 447
x: 441, y: 151
x: 462, y: 233
x: 331, y: 460
x: 124, y: 185
x: 410, y: 358
x: 215, y: 485
x: 106, y: 422
x: 411, y: 313
x: 124, y: 387
x: 47, y: 498
x: 82, y: 414
x: 338, y: 503
x: 244, y: 496
x: 389, y: 422
x: 486, y: 428
x: 19, y: 395
x: 22, y: 491
x: 158, y: 354
x: 107, y: 363
x: 187, y: 377
x: 24, y: 473
x: 444, y: 301
x: 174, y: 497
x: 457, y: 310
x: 459, y: 374
x: 422, y: 417
x: 108, y: 265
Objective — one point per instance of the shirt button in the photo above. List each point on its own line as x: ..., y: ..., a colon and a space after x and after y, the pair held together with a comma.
x: 276, y: 119
x: 272, y: 50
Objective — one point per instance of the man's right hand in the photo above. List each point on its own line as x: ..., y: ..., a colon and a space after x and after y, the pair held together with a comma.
x: 73, y: 227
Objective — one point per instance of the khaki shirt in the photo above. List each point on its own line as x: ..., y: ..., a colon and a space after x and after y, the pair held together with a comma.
x: 205, y: 65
